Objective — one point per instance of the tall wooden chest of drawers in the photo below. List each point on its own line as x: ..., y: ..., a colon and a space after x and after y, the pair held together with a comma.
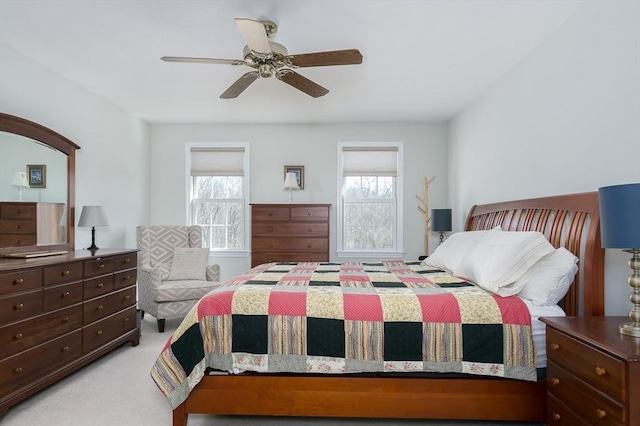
x: 289, y: 233
x: 593, y: 372
x: 59, y: 313
x: 30, y: 224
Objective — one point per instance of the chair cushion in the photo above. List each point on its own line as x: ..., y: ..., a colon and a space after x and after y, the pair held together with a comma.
x: 174, y: 291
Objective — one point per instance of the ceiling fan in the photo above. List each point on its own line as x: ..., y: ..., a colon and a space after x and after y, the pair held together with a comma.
x: 269, y: 59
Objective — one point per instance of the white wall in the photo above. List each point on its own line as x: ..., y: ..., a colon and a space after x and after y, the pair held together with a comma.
x: 312, y: 145
x: 566, y: 119
x: 112, y: 166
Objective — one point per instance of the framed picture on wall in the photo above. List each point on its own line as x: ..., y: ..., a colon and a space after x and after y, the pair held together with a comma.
x: 37, y: 175
x: 298, y: 171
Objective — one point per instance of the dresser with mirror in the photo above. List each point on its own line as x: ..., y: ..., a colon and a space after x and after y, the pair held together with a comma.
x: 60, y: 308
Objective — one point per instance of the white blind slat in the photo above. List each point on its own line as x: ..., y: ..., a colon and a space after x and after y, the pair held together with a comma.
x: 374, y: 161
x: 217, y: 162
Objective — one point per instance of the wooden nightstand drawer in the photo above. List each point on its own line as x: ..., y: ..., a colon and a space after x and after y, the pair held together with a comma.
x: 599, y: 369
x: 267, y: 213
x: 94, y: 268
x: 20, y: 305
x: 17, y: 226
x: 18, y: 210
x: 127, y: 261
x: 287, y: 244
x: 591, y: 404
x: 29, y: 365
x: 11, y: 282
x: 101, y: 307
x: 302, y: 230
x: 107, y: 329
x: 95, y: 287
x: 62, y: 296
x: 124, y: 279
x: 310, y: 213
x: 558, y: 414
x: 26, y: 334
x: 64, y: 273
x: 17, y: 240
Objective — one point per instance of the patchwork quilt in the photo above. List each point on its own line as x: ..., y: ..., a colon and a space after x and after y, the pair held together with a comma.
x: 340, y: 318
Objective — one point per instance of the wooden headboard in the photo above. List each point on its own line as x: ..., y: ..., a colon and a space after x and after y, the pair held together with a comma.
x: 571, y: 221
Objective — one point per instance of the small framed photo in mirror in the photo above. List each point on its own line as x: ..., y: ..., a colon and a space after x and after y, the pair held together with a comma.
x: 37, y: 175
x: 298, y: 171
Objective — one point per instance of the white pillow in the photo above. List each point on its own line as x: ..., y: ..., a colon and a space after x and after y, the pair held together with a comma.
x: 500, y: 258
x: 449, y: 254
x: 547, y: 282
x: 189, y: 263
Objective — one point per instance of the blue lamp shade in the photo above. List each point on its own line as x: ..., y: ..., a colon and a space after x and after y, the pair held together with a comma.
x: 620, y: 216
x: 441, y: 220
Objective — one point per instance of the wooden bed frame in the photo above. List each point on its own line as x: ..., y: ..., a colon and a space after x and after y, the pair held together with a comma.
x: 568, y: 220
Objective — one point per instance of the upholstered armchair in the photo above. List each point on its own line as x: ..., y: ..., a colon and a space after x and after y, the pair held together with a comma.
x: 173, y: 273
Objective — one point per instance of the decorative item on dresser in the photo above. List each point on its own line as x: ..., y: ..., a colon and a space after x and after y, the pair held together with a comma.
x: 289, y: 233
x: 441, y: 221
x: 20, y: 181
x: 59, y: 313
x: 31, y: 224
x: 290, y: 183
x: 93, y: 216
x: 593, y: 372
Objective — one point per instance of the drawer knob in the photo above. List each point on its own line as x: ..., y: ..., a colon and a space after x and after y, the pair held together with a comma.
x: 65, y: 349
x: 310, y: 230
x: 17, y: 370
x: 555, y: 416
x: 309, y: 245
x: 19, y: 281
x: 600, y: 413
x: 127, y: 260
x: 17, y: 226
x: 126, y: 319
x: 600, y: 371
x: 555, y: 381
x: 270, y: 245
x: 18, y: 306
x: 64, y: 273
x: 127, y: 297
x: 309, y: 213
x: 100, y: 307
x: 65, y: 319
x: 127, y: 277
x: 555, y: 346
x: 19, y: 336
x: 101, y: 266
x: 65, y: 294
x: 100, y: 285
x: 99, y: 332
x: 270, y: 229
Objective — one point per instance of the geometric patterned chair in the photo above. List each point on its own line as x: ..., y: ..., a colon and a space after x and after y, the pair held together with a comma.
x: 157, y: 295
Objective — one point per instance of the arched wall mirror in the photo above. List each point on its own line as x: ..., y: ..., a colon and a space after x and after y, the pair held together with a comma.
x: 46, y: 160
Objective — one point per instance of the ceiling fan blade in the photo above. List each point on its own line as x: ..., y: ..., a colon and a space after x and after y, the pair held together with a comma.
x: 254, y: 35
x: 321, y: 59
x: 301, y: 83
x: 203, y: 60
x: 240, y: 84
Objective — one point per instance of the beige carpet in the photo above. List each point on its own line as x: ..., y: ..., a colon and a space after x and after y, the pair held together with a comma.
x: 117, y: 390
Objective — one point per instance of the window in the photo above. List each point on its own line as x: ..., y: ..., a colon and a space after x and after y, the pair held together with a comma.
x: 370, y: 199
x: 218, y: 194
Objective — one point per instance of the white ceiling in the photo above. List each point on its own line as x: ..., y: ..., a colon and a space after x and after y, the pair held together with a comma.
x: 424, y: 60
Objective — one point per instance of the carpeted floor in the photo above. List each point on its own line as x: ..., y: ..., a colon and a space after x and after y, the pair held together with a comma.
x: 117, y: 390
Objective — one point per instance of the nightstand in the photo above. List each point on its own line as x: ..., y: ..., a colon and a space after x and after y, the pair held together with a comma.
x: 593, y: 372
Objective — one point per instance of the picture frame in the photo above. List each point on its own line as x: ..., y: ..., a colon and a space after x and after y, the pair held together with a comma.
x: 298, y: 171
x: 37, y: 175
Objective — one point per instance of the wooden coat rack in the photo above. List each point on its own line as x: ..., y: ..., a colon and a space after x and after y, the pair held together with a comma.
x: 424, y: 208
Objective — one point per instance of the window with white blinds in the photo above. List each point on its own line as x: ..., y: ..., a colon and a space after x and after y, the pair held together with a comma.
x: 369, y: 202
x: 218, y: 193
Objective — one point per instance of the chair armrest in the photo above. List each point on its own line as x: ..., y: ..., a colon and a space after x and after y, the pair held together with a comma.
x: 213, y: 272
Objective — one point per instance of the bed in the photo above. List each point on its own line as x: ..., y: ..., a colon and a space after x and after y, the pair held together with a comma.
x: 569, y: 221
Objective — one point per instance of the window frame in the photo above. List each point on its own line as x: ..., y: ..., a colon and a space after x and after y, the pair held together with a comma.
x: 397, y: 252
x: 244, y: 252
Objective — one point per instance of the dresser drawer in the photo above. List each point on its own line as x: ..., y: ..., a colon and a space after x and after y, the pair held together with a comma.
x: 101, y: 307
x: 125, y: 279
x: 311, y: 229
x: 288, y: 244
x: 582, y: 398
x: 310, y: 213
x: 559, y: 414
x: 26, y: 334
x: 28, y: 366
x: 17, y: 226
x: 100, y: 266
x: 27, y: 279
x: 62, y: 296
x: 102, y: 332
x: 64, y: 273
x: 259, y: 258
x: 95, y: 287
x: 269, y: 213
x: 18, y: 210
x: 20, y: 305
x: 17, y: 240
x: 127, y: 261
x: 595, y: 367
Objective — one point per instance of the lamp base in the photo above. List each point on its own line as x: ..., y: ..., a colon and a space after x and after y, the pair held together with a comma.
x: 93, y: 246
x: 630, y: 329
x: 633, y: 328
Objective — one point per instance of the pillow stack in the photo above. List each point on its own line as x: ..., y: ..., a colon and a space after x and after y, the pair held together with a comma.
x: 509, y: 263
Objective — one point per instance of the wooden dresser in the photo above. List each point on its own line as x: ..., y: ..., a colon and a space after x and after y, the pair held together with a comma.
x: 59, y: 313
x: 289, y: 233
x: 30, y: 224
x: 593, y: 372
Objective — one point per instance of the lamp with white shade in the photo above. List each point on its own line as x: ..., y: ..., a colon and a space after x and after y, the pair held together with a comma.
x: 290, y: 183
x: 93, y: 216
x: 620, y: 228
x: 20, y: 181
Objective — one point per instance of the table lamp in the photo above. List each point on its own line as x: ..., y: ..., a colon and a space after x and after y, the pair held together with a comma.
x: 20, y: 181
x: 441, y: 221
x: 620, y: 229
x: 290, y: 183
x: 93, y: 216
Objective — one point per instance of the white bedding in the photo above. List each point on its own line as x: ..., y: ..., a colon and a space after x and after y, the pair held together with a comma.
x: 538, y: 328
